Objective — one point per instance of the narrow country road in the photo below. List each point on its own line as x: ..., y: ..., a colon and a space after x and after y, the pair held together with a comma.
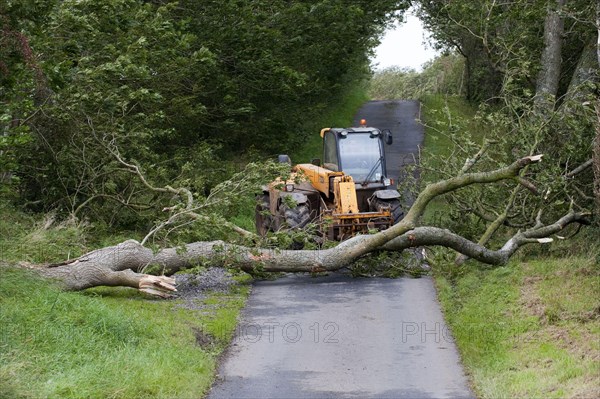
x: 339, y: 337
x: 401, y: 118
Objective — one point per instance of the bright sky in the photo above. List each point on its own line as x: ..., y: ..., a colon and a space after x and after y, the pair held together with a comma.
x: 404, y: 45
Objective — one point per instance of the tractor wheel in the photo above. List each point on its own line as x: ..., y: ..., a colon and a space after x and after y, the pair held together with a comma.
x: 296, y: 218
x: 393, y: 204
x: 264, y: 219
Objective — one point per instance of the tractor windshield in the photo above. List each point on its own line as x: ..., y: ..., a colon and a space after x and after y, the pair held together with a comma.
x: 361, y: 157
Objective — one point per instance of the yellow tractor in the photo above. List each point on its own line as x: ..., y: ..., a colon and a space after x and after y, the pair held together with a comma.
x: 345, y: 193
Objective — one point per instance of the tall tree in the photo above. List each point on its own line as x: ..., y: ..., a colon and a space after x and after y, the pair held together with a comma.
x: 549, y: 76
x: 503, y: 41
x: 596, y: 151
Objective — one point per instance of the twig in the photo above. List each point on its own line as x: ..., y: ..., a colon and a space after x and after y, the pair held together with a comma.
x: 580, y: 168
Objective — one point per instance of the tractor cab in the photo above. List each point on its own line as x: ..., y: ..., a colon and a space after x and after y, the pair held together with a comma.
x: 358, y: 152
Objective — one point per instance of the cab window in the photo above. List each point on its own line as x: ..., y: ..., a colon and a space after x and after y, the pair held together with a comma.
x: 330, y: 157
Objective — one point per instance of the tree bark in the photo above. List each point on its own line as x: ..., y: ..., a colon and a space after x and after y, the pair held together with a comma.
x: 124, y: 264
x: 549, y: 75
x: 596, y: 162
x: 596, y: 144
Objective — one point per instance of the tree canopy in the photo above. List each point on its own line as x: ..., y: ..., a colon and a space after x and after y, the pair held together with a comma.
x: 501, y: 39
x: 176, y: 87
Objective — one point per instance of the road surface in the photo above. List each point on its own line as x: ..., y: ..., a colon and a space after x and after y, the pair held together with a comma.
x: 401, y: 118
x: 339, y: 337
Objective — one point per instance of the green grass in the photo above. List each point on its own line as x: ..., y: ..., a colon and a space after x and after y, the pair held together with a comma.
x: 530, y: 329
x: 224, y: 320
x: 102, y: 342
x: 441, y: 115
x: 245, y: 217
x: 106, y: 342
x: 41, y: 239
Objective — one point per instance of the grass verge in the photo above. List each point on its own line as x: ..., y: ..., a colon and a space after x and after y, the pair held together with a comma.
x: 107, y: 343
x: 102, y: 342
x: 530, y: 329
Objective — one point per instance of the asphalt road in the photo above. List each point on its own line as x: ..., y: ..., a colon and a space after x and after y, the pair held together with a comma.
x: 401, y: 118
x: 339, y: 337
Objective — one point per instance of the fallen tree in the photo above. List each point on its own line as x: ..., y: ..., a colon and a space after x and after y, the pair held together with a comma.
x: 125, y: 263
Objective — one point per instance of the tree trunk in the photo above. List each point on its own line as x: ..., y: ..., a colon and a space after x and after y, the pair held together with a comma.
x: 585, y: 76
x: 549, y: 75
x: 596, y: 145
x: 596, y: 163
x: 124, y: 264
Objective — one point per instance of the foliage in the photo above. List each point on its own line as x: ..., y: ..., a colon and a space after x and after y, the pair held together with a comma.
x: 338, y: 113
x: 281, y: 60
x: 181, y: 89
x: 502, y: 45
x: 500, y: 38
x: 233, y: 199
x: 509, y: 132
x: 442, y: 75
x: 523, y: 119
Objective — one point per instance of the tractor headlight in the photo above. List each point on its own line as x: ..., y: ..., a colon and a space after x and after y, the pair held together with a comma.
x: 289, y: 188
x: 387, y: 182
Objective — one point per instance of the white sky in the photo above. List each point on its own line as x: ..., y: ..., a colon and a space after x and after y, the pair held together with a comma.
x: 404, y: 45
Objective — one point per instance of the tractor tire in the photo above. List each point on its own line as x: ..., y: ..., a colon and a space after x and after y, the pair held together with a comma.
x: 264, y: 219
x: 295, y: 218
x: 393, y: 204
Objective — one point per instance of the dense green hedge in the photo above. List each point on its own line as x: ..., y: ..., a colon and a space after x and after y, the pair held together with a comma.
x: 178, y: 88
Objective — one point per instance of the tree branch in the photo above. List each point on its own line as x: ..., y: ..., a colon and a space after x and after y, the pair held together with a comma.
x: 121, y: 264
x: 108, y: 266
x: 470, y: 162
x: 434, y: 236
x: 579, y: 169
